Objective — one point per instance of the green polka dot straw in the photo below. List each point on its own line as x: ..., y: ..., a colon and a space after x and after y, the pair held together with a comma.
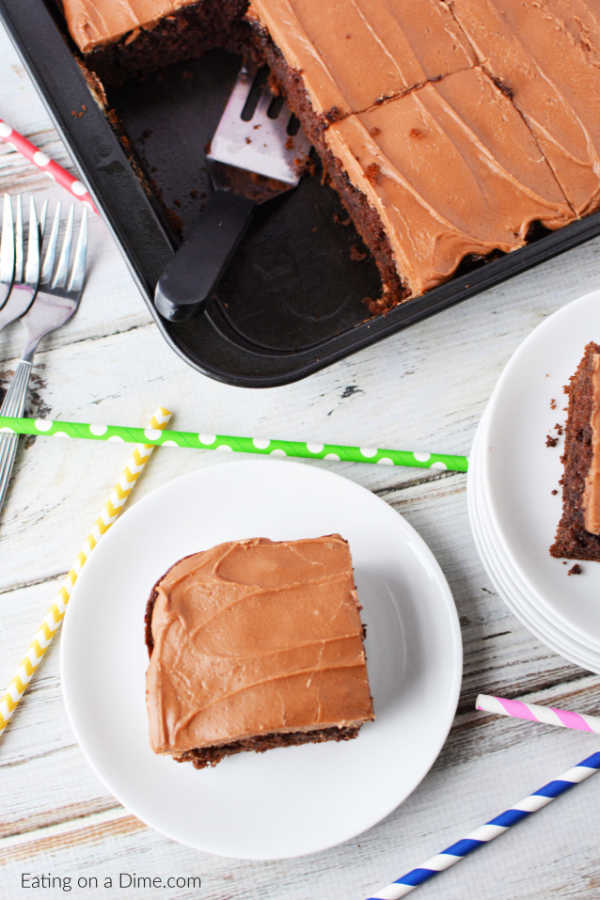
x: 264, y: 447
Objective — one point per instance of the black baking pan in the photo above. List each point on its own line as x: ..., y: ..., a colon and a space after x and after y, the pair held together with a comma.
x: 292, y: 300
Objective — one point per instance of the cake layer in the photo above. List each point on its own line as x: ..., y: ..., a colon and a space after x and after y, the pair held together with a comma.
x: 350, y: 54
x: 546, y: 53
x: 591, y: 493
x: 576, y: 535
x: 451, y: 169
x: 210, y: 756
x: 255, y: 638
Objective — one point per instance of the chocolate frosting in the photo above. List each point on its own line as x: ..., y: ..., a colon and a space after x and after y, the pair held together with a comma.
x: 96, y: 22
x: 452, y: 169
x: 591, y: 493
x: 353, y: 53
x: 546, y: 53
x: 255, y: 637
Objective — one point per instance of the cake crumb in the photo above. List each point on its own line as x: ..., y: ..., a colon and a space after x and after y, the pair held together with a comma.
x: 373, y: 171
x: 274, y: 85
x: 575, y: 570
x: 339, y: 221
x: 377, y: 306
x: 554, y: 492
x: 334, y: 114
x: 551, y: 441
x: 417, y: 133
x: 356, y: 254
x: 558, y: 428
x: 374, y: 131
x: 248, y: 140
x: 553, y: 403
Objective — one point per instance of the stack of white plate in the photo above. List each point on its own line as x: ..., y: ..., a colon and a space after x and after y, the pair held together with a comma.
x: 512, y: 477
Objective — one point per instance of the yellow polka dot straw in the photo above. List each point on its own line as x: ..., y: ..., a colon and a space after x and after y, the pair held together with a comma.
x: 111, y: 510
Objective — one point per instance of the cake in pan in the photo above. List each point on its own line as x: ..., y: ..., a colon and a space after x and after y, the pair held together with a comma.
x: 255, y: 644
x: 451, y: 129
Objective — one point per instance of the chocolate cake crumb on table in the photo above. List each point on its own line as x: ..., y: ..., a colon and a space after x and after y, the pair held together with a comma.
x: 253, y: 645
x: 452, y: 130
x: 578, y: 533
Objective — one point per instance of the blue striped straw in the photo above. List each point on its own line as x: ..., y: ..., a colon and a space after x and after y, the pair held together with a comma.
x: 492, y: 829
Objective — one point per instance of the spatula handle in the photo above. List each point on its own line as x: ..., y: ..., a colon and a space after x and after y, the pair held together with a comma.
x: 190, y: 277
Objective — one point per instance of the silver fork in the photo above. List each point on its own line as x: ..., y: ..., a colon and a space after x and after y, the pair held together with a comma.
x: 57, y: 300
x: 19, y: 277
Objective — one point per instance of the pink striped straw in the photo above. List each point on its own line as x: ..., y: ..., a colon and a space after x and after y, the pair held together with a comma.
x: 533, y: 712
x: 43, y: 162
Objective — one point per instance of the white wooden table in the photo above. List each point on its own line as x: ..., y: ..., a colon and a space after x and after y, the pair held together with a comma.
x: 423, y: 388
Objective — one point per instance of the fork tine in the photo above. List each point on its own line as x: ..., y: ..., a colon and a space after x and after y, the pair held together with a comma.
x: 50, y: 255
x: 19, y: 251
x: 43, y: 218
x: 79, y: 259
x: 7, y: 243
x: 264, y: 102
x: 32, y: 266
x: 60, y: 276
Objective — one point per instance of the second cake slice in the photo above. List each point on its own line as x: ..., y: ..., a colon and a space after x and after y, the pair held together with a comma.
x: 255, y: 644
x: 578, y: 533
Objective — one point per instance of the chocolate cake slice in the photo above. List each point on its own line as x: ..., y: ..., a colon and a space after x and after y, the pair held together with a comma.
x: 578, y: 533
x: 450, y: 169
x: 119, y: 40
x: 255, y: 644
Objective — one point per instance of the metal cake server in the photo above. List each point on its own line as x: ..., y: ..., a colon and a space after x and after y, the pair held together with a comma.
x: 257, y: 153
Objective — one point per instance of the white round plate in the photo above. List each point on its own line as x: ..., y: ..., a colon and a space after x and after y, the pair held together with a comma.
x: 507, y: 584
x: 292, y: 800
x: 519, y: 472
